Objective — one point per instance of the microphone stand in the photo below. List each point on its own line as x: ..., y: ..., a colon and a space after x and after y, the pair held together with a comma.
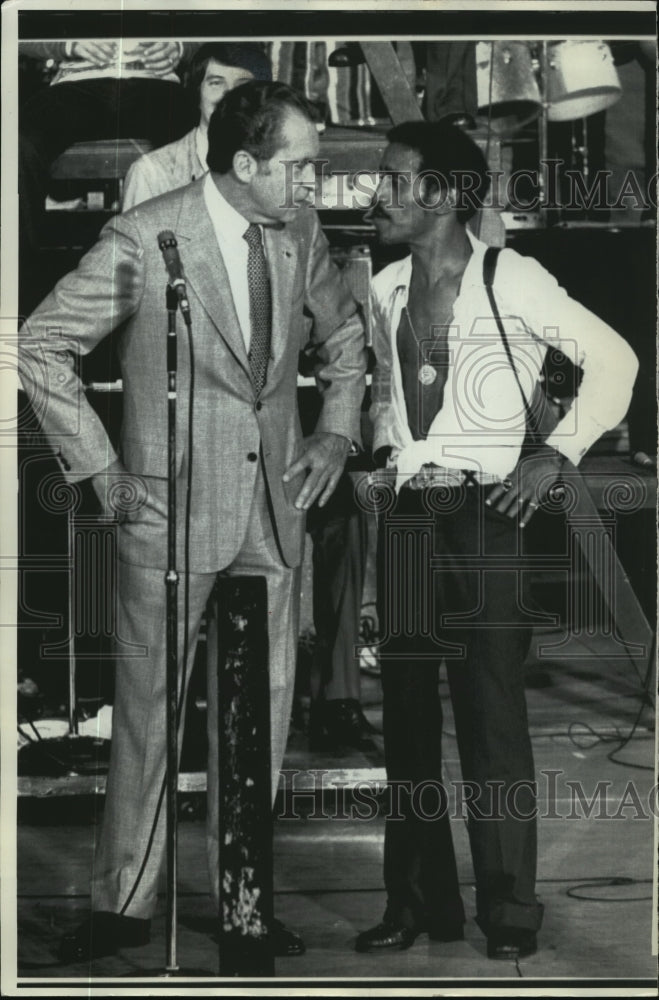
x: 172, y: 967
x: 171, y: 583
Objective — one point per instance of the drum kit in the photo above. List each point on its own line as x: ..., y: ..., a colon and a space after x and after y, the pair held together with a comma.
x: 519, y: 81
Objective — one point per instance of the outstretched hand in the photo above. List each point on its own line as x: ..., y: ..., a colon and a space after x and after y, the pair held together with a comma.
x: 323, y: 459
x: 528, y: 486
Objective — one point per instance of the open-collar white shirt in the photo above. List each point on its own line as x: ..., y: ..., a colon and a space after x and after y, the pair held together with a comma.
x: 482, y: 422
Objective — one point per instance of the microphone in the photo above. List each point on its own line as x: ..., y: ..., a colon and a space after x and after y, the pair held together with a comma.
x: 169, y: 249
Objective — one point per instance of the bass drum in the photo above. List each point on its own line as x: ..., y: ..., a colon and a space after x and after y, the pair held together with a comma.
x: 507, y: 90
x: 581, y: 79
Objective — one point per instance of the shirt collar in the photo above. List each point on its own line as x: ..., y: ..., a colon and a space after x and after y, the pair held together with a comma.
x: 201, y: 145
x: 473, y: 273
x: 226, y: 220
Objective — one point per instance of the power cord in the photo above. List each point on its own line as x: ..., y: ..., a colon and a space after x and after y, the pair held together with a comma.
x: 574, y: 892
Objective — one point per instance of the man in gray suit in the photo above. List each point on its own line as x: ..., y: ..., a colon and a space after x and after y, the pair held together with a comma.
x: 257, y: 269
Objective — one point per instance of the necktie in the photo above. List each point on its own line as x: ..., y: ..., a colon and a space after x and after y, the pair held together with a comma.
x: 260, y: 307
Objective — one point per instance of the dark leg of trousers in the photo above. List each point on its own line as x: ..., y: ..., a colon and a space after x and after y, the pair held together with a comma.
x: 489, y: 703
x: 487, y: 689
x: 420, y: 871
x: 339, y: 533
x: 56, y: 117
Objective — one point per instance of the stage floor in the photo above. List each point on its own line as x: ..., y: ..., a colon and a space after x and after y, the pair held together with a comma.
x: 594, y: 874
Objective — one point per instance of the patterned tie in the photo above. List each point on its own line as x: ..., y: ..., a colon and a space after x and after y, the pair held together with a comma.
x: 260, y: 307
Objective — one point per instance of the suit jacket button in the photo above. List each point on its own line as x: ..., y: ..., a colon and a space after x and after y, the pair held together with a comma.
x: 251, y: 456
x: 259, y: 405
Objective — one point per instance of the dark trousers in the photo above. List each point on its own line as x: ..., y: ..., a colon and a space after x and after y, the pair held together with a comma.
x: 442, y: 596
x: 56, y: 117
x: 340, y: 533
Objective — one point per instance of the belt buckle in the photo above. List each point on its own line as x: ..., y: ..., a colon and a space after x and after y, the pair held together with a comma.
x: 440, y: 476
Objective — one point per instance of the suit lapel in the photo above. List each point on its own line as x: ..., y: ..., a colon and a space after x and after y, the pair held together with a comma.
x: 206, y: 274
x: 281, y: 252
x: 205, y: 270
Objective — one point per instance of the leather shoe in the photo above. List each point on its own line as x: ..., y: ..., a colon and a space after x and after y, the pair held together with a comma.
x: 511, y: 943
x: 285, y: 943
x: 102, y: 934
x: 386, y: 935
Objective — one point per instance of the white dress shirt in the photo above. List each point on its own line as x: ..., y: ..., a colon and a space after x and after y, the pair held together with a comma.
x: 230, y: 227
x: 482, y: 422
x: 201, y: 145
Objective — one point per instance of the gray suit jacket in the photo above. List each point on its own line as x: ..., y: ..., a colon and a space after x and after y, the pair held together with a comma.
x: 120, y: 282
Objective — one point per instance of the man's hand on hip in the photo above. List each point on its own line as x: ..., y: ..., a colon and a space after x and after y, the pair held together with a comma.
x: 528, y: 486
x: 323, y: 458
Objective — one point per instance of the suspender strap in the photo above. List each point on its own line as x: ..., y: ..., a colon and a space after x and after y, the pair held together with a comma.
x: 489, y: 269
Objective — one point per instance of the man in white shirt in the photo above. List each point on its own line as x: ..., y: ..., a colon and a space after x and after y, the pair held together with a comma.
x: 215, y: 68
x: 450, y: 417
x: 251, y: 475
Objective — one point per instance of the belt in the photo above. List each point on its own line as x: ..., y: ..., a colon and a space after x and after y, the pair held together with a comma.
x: 438, y: 475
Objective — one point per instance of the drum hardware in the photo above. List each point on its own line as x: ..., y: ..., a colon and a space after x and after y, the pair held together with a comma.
x: 580, y: 151
x: 543, y: 142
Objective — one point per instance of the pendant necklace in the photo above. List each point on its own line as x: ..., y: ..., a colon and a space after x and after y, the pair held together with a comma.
x: 427, y: 373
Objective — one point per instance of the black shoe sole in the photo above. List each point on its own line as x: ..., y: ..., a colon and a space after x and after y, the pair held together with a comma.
x: 511, y: 952
x: 372, y: 946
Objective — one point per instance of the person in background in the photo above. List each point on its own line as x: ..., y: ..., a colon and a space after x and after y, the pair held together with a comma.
x: 215, y: 68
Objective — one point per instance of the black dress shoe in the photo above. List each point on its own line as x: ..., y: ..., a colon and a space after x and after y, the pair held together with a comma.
x: 386, y: 935
x: 511, y: 943
x: 103, y: 934
x: 285, y: 943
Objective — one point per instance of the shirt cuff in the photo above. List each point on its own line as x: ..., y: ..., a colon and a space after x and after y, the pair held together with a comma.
x: 569, y: 448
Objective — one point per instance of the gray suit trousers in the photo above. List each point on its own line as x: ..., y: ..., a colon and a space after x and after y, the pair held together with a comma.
x: 131, y: 849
